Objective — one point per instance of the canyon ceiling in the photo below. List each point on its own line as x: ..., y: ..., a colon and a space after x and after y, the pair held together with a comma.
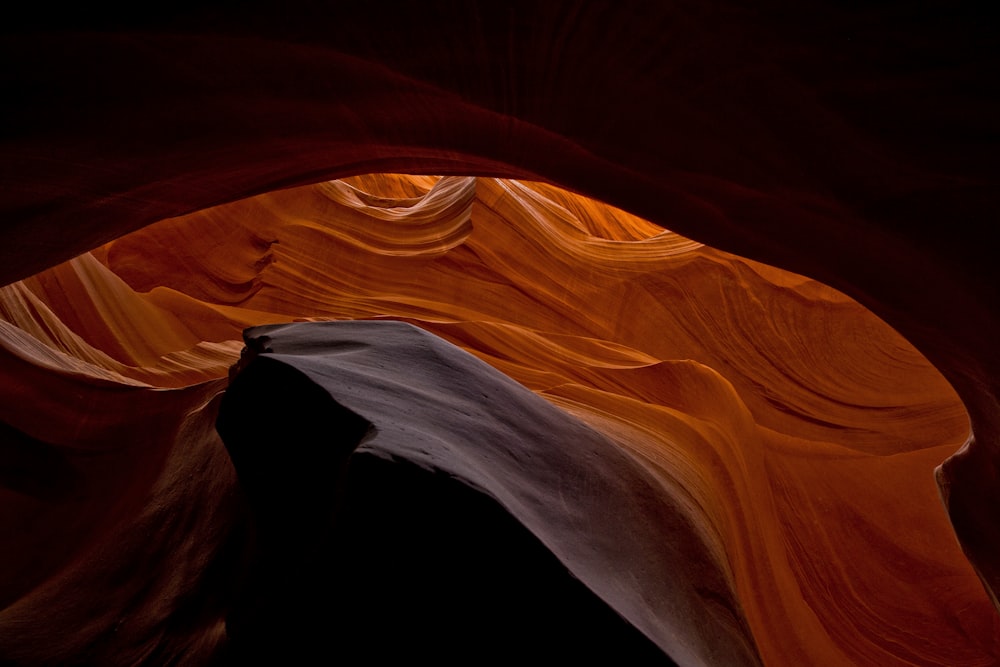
x: 729, y: 269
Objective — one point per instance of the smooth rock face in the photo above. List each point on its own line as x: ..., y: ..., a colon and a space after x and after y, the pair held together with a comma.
x: 853, y: 146
x: 371, y: 451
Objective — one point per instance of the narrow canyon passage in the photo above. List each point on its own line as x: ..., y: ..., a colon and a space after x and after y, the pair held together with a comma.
x: 747, y: 249
x: 792, y: 431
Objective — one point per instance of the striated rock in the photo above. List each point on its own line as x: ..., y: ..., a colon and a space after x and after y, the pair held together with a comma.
x: 792, y: 431
x: 355, y: 425
x: 852, y: 146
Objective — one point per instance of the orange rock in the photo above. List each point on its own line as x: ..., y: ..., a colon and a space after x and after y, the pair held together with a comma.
x: 797, y: 431
x: 854, y: 146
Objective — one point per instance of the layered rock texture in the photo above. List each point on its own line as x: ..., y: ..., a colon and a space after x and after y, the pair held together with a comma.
x: 264, y: 396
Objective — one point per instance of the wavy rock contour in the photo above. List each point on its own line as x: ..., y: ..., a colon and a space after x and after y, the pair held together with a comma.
x: 852, y: 145
x: 771, y: 413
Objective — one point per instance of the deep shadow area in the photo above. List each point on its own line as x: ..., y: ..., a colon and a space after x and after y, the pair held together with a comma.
x: 35, y: 468
x: 358, y: 558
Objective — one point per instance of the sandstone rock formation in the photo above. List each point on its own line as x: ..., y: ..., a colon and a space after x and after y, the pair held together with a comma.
x: 792, y: 433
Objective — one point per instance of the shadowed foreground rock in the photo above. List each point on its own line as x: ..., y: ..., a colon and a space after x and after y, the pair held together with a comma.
x: 411, y: 501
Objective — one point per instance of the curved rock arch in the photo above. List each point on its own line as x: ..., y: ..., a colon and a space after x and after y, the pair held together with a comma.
x: 829, y: 142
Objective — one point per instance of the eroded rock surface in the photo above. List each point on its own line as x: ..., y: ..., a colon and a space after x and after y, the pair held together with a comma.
x: 790, y: 430
x: 855, y: 146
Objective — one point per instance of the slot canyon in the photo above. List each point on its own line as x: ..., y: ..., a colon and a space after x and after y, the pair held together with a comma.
x: 495, y: 332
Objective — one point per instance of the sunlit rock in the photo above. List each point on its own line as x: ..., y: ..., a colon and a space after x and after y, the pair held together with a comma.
x: 806, y: 423
x: 794, y: 431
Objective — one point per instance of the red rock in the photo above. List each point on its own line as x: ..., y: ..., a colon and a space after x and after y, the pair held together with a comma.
x: 851, y: 146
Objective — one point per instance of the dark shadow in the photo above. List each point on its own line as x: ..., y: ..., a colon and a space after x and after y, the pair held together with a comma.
x: 362, y: 560
x: 35, y: 468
